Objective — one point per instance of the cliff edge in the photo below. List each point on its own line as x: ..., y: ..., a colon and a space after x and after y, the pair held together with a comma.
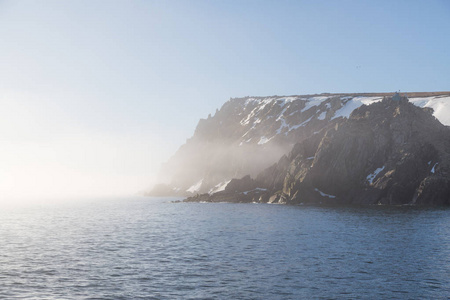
x: 389, y: 152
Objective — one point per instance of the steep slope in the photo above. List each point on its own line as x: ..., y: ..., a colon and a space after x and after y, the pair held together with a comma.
x: 390, y: 152
x: 249, y: 134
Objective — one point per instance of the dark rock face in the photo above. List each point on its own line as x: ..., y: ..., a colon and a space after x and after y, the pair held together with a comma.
x: 433, y: 191
x: 390, y: 152
x: 240, y: 185
x: 244, y: 137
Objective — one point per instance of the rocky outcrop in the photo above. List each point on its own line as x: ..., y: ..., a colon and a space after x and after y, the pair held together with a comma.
x: 390, y: 152
x: 246, y: 136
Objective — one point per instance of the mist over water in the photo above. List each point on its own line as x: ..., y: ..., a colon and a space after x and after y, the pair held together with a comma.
x: 148, y: 248
x: 219, y: 160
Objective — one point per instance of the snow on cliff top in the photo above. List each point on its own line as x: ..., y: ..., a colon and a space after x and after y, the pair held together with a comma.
x: 353, y: 104
x: 313, y: 101
x: 440, y: 104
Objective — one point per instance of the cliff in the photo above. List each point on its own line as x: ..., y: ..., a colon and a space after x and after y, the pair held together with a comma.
x: 388, y: 152
x: 248, y: 135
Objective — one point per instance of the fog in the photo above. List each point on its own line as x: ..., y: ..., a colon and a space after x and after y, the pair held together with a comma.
x: 214, y: 156
x: 49, y: 153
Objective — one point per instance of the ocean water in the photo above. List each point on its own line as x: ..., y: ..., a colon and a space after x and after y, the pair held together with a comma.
x: 147, y: 248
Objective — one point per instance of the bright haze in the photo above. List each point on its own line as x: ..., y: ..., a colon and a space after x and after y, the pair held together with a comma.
x: 95, y: 95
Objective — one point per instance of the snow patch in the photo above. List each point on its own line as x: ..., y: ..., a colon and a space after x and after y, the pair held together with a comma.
x: 246, y: 141
x: 283, y: 125
x: 322, y: 115
x: 281, y: 116
x: 219, y: 187
x: 299, y: 125
x: 433, y: 169
x: 264, y: 140
x: 324, y: 195
x: 372, y: 176
x: 290, y: 128
x: 195, y: 187
x: 353, y: 104
x: 256, y: 110
x: 440, y: 105
x: 283, y: 100
x: 313, y: 101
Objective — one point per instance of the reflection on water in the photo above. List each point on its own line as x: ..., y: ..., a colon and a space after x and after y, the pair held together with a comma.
x: 151, y: 248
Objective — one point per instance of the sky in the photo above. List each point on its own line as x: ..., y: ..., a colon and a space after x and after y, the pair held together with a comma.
x: 95, y: 95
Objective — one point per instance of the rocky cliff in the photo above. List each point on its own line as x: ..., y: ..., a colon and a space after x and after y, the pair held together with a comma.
x: 388, y: 152
x: 248, y: 135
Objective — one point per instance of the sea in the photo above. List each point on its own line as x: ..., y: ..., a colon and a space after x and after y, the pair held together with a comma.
x: 153, y: 248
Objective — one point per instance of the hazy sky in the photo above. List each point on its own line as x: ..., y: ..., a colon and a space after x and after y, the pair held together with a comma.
x: 95, y: 95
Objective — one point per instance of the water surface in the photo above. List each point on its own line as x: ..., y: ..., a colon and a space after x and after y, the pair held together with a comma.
x: 153, y: 249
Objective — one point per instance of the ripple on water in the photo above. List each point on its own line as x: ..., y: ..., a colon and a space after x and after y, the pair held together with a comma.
x: 152, y: 249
